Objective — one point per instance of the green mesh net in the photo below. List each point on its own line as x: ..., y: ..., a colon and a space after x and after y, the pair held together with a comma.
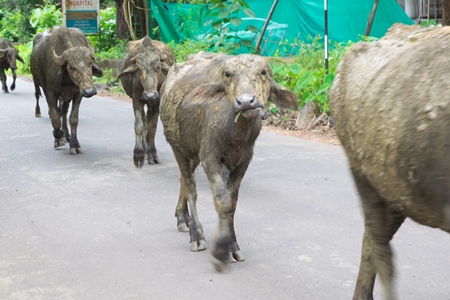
x: 292, y: 21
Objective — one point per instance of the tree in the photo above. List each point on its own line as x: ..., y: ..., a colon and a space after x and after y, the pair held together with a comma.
x: 446, y: 12
x: 122, y: 32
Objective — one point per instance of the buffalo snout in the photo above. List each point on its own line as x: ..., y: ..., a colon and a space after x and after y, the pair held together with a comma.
x: 150, y: 96
x: 89, y: 92
x: 246, y: 101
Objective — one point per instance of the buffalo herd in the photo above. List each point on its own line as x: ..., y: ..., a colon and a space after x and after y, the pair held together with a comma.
x: 389, y: 103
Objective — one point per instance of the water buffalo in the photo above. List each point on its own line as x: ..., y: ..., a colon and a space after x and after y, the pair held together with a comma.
x: 143, y: 71
x: 211, y: 111
x: 8, y: 57
x: 392, y: 114
x: 62, y: 64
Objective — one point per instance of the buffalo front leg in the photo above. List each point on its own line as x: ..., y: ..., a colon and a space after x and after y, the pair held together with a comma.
x: 56, y: 120
x: 233, y: 185
x: 152, y: 122
x: 13, y: 85
x: 139, y: 129
x: 381, y: 223
x: 223, y: 202
x: 37, y: 94
x: 188, y: 191
x: 75, y: 147
x: 63, y: 108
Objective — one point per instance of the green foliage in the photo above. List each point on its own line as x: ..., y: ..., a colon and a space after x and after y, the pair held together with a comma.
x: 107, y: 38
x: 428, y: 23
x: 45, y: 18
x: 13, y: 24
x: 115, y: 52
x: 306, y: 75
x: 225, y: 23
x: 25, y: 53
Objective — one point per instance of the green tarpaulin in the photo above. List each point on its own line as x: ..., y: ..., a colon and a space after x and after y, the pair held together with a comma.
x: 292, y: 19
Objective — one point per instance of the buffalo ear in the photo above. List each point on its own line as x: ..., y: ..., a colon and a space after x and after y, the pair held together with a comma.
x: 96, y: 71
x: 20, y: 59
x: 282, y: 97
x: 3, y: 53
x: 130, y: 69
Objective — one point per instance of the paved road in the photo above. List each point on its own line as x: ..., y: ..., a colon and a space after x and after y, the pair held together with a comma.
x: 92, y: 226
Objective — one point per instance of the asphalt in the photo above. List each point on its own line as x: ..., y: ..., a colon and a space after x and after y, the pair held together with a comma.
x: 92, y: 226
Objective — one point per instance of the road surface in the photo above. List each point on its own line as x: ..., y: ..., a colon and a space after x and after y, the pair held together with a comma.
x: 92, y: 226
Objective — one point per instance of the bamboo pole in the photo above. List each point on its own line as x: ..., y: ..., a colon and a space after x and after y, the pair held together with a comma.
x: 263, y: 30
x: 371, y: 17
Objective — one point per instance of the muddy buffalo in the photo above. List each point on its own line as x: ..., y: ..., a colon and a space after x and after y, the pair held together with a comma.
x: 62, y: 64
x: 211, y: 109
x: 143, y: 71
x: 8, y: 57
x: 392, y: 114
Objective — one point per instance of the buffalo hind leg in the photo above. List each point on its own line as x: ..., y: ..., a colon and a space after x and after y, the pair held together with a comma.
x: 381, y: 223
x: 3, y: 79
x: 152, y: 122
x: 182, y: 212
x: 188, y: 191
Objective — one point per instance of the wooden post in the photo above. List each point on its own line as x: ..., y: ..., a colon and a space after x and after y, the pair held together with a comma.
x: 371, y: 17
x: 325, y: 13
x: 263, y: 30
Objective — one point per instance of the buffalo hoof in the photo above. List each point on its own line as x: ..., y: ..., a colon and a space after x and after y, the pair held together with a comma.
x: 138, y: 157
x: 200, y: 245
x: 237, y: 256
x: 13, y: 87
x: 217, y: 264
x: 37, y: 114
x: 59, y: 143
x: 5, y: 91
x: 138, y: 163
x: 153, y: 159
x: 183, y: 227
x: 74, y: 151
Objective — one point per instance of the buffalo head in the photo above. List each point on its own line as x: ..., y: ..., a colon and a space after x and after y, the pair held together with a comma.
x: 248, y: 84
x: 11, y: 55
x: 149, y: 70
x: 79, y: 63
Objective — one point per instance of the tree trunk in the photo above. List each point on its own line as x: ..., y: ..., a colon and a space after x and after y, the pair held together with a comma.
x: 445, y: 12
x: 121, y: 25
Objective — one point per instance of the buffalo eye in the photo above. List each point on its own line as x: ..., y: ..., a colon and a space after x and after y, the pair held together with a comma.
x: 227, y: 74
x: 263, y: 72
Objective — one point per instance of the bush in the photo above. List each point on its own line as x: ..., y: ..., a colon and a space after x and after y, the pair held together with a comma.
x: 107, y: 38
x: 45, y: 18
x: 25, y: 53
x: 14, y: 25
x: 306, y: 75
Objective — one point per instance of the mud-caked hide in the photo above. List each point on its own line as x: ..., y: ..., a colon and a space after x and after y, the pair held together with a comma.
x: 211, y: 109
x: 143, y: 71
x: 391, y: 108
x: 62, y: 64
x: 9, y: 55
